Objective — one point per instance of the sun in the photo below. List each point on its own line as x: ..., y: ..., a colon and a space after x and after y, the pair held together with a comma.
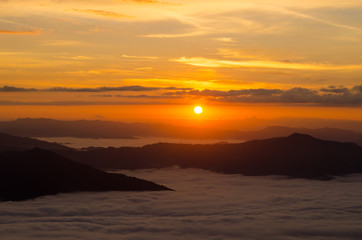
x: 198, y: 110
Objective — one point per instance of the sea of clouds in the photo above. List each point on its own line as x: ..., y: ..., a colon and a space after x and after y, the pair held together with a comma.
x: 205, y: 205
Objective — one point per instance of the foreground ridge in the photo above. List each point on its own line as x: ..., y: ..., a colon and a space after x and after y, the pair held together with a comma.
x: 34, y: 173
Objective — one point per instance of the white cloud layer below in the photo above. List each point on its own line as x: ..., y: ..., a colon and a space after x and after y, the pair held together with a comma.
x: 205, y: 205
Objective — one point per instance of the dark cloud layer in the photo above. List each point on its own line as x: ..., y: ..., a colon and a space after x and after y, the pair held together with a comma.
x: 103, y: 89
x: 16, y: 89
x: 135, y: 88
x: 327, y: 96
x: 76, y: 103
x: 205, y: 205
x: 331, y: 95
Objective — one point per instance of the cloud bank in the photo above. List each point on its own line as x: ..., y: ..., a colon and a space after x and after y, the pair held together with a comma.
x: 205, y: 205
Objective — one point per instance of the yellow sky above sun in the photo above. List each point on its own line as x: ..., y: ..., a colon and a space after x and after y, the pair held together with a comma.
x: 81, y: 53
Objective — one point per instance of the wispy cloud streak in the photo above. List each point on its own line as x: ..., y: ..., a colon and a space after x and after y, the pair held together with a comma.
x: 26, y: 32
x: 217, y: 63
x: 102, y: 13
x: 320, y: 20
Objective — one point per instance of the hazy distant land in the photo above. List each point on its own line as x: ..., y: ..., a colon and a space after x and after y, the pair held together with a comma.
x: 337, y: 130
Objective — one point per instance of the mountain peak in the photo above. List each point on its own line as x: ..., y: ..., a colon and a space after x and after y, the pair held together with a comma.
x: 300, y: 136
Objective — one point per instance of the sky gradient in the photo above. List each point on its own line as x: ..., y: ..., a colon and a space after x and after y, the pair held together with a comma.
x: 170, y: 54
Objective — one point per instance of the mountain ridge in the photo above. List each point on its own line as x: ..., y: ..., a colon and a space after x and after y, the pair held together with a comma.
x: 10, y: 142
x: 298, y: 155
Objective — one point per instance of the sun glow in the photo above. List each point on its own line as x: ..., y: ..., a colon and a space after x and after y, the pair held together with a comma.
x: 198, y: 110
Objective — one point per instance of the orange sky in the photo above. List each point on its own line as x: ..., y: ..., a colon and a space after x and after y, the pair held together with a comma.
x: 179, y: 114
x: 134, y: 60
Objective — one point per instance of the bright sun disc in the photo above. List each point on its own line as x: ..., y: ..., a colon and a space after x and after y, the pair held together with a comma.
x: 198, y: 110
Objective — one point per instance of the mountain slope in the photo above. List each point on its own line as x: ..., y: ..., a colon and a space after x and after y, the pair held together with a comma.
x: 34, y: 173
x: 9, y: 142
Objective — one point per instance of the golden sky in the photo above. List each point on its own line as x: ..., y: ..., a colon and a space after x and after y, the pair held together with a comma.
x: 153, y: 53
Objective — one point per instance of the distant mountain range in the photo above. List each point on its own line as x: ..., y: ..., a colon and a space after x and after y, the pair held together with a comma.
x: 297, y: 155
x: 30, y: 174
x: 105, y: 129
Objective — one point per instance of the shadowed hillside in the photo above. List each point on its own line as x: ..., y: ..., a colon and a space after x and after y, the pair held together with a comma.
x: 34, y: 173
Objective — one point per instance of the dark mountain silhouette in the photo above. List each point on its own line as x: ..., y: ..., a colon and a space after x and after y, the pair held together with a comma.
x: 297, y: 155
x: 36, y: 172
x: 106, y: 129
x: 334, y: 134
x: 9, y: 142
